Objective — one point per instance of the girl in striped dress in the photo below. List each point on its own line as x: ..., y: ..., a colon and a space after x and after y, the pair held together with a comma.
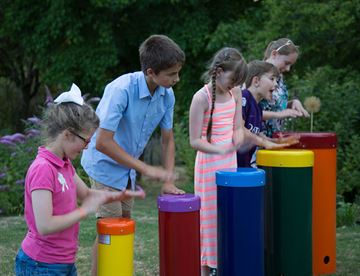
x: 216, y: 135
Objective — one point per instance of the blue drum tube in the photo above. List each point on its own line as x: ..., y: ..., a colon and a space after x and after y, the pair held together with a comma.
x: 240, y: 199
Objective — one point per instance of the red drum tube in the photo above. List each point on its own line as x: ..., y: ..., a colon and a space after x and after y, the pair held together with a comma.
x: 179, y: 234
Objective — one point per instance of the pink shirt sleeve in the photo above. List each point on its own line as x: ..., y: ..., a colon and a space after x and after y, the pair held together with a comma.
x: 41, y: 177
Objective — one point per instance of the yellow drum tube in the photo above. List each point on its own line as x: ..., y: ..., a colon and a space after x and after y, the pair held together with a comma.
x: 116, y: 246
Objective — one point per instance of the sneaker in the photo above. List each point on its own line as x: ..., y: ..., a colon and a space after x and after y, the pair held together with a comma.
x: 213, y: 272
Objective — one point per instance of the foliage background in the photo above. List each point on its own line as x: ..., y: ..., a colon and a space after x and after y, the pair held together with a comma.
x: 90, y: 42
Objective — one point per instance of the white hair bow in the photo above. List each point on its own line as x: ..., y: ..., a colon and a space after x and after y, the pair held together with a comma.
x: 72, y: 96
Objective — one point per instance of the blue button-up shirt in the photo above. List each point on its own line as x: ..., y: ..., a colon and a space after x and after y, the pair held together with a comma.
x: 129, y: 110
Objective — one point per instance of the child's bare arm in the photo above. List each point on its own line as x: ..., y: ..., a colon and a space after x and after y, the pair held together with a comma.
x: 82, y: 190
x: 106, y: 144
x: 168, y: 158
x: 239, y: 128
x: 286, y: 113
x: 198, y: 108
x: 47, y: 223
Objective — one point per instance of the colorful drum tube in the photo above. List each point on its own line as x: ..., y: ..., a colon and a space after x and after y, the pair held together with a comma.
x: 324, y: 197
x: 288, y: 211
x: 115, y: 246
x: 240, y: 221
x: 179, y: 234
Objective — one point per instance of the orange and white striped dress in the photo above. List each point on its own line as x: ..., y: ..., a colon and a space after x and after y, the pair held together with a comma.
x: 204, y: 178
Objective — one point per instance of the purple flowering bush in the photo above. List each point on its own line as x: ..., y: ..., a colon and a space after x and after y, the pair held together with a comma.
x: 17, y: 151
x: 16, y: 154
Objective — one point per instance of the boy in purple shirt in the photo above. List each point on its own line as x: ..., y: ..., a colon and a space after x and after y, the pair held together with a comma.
x: 260, y: 83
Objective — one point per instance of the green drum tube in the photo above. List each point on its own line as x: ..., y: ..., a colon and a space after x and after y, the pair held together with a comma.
x: 288, y: 211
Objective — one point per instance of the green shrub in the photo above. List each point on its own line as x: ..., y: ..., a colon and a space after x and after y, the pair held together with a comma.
x: 347, y: 214
x: 185, y: 154
x: 339, y: 92
x: 349, y: 174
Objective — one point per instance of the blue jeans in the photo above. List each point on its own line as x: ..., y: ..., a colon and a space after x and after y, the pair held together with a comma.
x: 25, y: 266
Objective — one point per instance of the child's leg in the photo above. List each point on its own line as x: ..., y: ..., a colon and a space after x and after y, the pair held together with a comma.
x: 213, y: 272
x: 114, y: 209
x: 22, y: 263
x: 205, y: 270
x: 127, y: 204
x: 126, y: 214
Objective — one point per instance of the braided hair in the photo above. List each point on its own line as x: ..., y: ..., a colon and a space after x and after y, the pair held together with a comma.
x: 228, y: 59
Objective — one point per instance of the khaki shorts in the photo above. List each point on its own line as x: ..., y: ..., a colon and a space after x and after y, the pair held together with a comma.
x: 114, y: 209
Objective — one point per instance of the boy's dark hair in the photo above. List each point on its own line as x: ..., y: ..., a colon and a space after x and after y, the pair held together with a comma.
x: 283, y: 46
x: 159, y: 52
x: 257, y: 68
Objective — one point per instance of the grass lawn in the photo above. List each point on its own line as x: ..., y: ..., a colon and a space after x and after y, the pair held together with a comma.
x: 13, y: 229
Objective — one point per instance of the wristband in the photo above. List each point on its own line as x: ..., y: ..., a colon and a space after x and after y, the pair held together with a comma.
x: 82, y: 213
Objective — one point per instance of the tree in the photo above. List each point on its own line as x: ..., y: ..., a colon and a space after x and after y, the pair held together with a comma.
x: 55, y: 43
x: 327, y: 31
x: 90, y: 42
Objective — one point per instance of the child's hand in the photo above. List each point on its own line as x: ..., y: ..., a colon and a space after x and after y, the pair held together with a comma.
x: 291, y: 139
x: 227, y: 150
x: 169, y: 188
x: 139, y: 192
x: 289, y: 113
x: 118, y: 196
x: 271, y: 145
x: 97, y: 198
x: 94, y: 200
x: 297, y: 105
x: 159, y: 174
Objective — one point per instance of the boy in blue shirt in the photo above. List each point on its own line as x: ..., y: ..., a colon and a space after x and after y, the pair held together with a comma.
x: 132, y: 106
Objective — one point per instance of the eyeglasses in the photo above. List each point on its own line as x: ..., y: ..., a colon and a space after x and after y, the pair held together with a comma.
x: 86, y: 141
x: 289, y: 42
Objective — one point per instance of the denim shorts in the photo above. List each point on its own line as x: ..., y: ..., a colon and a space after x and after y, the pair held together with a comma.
x: 25, y: 266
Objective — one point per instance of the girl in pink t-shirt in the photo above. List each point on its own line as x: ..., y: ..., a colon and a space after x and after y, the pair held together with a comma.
x: 52, y: 189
